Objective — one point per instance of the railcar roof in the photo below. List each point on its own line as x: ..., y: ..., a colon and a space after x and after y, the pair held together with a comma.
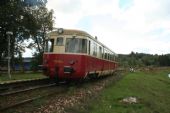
x: 71, y: 31
x: 78, y: 33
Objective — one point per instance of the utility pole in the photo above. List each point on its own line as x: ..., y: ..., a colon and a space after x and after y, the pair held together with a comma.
x: 9, y: 54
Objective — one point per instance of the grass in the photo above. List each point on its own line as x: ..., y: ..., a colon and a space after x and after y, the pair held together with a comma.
x: 152, y: 88
x: 20, y: 76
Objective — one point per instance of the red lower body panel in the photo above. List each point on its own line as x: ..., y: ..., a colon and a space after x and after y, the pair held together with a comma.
x: 74, y: 66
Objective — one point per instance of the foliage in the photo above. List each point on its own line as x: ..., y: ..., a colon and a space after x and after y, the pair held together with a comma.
x: 27, y: 19
x: 164, y: 60
x: 44, y: 21
x: 141, y: 60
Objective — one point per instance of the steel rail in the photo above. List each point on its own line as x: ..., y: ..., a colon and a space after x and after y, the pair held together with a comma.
x: 4, y: 87
x: 31, y: 99
x: 27, y: 89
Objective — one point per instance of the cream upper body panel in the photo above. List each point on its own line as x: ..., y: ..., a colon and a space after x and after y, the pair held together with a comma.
x: 93, y: 46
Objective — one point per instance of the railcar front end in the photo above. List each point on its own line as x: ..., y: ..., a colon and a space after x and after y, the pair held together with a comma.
x: 64, y: 66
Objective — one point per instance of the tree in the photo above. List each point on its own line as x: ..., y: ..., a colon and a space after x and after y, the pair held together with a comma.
x: 164, y: 60
x: 44, y: 21
x: 20, y: 17
x: 141, y: 59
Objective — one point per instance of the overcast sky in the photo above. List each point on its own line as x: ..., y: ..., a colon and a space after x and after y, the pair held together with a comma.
x: 122, y: 25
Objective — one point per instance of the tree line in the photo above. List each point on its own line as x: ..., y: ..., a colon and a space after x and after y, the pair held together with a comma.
x: 141, y: 60
x: 28, y: 20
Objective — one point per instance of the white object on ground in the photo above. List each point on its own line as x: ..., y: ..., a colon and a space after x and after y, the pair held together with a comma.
x: 130, y: 100
x: 169, y: 75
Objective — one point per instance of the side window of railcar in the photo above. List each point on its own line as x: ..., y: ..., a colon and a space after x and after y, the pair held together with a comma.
x: 100, y: 51
x: 89, y: 47
x: 83, y: 45
x: 52, y: 45
x: 94, y: 49
x: 49, y: 45
x: 112, y: 56
x: 59, y: 41
x: 108, y: 55
x: 105, y: 54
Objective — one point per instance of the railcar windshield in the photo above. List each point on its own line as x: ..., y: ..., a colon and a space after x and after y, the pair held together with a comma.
x: 76, y: 45
x: 49, y: 45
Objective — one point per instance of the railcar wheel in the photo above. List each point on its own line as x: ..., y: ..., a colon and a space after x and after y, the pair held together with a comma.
x: 56, y: 80
x: 93, y: 76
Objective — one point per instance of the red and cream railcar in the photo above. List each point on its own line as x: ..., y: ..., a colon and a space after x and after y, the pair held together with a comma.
x: 74, y: 54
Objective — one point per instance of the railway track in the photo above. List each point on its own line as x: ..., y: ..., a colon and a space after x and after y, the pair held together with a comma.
x: 27, y: 89
x: 15, y: 98
x: 59, y: 90
x: 18, y: 85
x: 21, y: 92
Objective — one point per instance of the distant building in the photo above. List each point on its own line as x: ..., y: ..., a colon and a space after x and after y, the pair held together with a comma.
x: 26, y: 64
x: 17, y: 66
